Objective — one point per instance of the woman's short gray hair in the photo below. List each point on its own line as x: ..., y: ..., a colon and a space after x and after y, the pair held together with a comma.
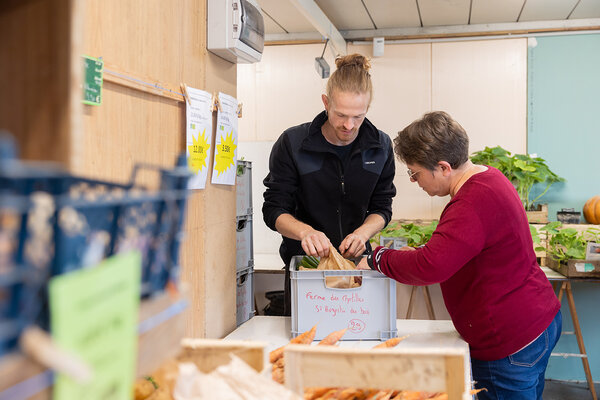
x: 433, y: 138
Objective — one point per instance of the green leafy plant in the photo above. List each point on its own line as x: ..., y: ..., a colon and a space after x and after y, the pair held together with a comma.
x: 535, y: 236
x: 593, y: 234
x: 564, y: 243
x: 416, y: 235
x: 522, y: 170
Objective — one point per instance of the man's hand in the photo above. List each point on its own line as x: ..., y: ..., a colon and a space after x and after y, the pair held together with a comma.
x: 315, y: 243
x: 353, y: 245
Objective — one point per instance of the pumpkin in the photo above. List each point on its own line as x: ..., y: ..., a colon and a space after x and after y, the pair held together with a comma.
x: 591, y: 210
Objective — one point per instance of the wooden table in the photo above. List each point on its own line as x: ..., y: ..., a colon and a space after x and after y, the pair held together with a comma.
x: 565, y: 287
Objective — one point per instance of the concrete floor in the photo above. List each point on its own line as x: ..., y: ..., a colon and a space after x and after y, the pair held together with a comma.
x: 557, y: 390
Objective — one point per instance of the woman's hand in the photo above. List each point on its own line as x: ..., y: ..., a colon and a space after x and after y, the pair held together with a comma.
x: 362, y: 264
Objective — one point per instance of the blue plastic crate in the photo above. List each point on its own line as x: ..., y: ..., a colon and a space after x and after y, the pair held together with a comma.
x: 20, y: 280
x: 54, y: 223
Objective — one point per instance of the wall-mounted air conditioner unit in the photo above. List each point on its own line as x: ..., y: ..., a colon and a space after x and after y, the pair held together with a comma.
x: 236, y: 30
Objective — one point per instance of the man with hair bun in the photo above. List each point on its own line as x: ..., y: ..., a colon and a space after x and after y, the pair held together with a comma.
x: 330, y: 181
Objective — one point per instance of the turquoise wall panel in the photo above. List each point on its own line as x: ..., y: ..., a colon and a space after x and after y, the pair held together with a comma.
x: 564, y: 128
x: 563, y: 119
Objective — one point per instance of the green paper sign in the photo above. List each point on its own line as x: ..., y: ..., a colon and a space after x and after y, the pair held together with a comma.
x: 94, y: 313
x: 92, y: 80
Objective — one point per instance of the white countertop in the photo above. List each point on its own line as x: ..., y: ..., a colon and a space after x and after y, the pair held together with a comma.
x: 270, y: 263
x: 552, y: 274
x: 275, y: 331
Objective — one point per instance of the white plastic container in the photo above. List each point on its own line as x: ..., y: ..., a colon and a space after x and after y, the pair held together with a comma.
x: 244, y: 295
x: 368, y: 311
x: 396, y: 242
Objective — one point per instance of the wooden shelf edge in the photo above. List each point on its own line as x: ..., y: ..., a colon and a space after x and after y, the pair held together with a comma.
x: 161, y: 327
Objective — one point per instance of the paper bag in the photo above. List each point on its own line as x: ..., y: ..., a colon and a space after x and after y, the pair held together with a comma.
x: 335, y: 261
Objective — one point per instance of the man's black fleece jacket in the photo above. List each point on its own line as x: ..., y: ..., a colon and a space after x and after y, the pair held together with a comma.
x: 308, y: 180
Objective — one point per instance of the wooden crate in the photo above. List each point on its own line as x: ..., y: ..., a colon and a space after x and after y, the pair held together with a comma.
x: 576, y: 268
x: 209, y: 354
x: 416, y: 369
x: 541, y: 255
x: 539, y: 216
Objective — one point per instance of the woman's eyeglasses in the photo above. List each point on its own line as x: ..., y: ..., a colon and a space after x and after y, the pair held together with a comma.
x: 412, y: 175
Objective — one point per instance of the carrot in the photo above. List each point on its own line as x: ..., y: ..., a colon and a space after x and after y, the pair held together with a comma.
x: 371, y: 394
x: 332, y: 338
x: 390, y: 342
x: 475, y: 391
x: 304, y: 338
x: 386, y: 395
x: 277, y: 375
x: 276, y: 354
x: 279, y: 363
x: 381, y: 395
x: 315, y: 392
x: 439, y: 396
x: 330, y: 394
x: 410, y: 395
x: 350, y: 394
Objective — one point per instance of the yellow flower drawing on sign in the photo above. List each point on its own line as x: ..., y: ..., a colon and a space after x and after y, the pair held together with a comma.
x: 198, y: 153
x: 225, y: 153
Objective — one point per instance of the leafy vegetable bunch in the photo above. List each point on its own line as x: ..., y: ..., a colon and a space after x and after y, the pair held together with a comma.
x: 416, y: 235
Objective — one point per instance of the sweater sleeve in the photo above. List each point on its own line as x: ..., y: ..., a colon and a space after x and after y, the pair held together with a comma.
x: 281, y: 182
x: 458, y: 238
x: 381, y: 200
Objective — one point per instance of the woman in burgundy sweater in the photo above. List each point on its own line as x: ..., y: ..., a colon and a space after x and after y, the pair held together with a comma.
x: 482, y: 255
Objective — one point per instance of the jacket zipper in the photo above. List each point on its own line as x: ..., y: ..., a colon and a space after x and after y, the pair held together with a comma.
x: 339, y: 210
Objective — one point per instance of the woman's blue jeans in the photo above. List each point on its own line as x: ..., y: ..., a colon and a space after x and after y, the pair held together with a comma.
x: 520, y: 375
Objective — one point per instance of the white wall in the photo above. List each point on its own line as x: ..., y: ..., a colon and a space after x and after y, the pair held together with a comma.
x: 482, y: 84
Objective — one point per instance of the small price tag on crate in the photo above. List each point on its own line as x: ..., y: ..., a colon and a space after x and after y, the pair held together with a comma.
x: 593, y: 251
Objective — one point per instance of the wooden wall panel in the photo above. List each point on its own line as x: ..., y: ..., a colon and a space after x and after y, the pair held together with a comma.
x: 164, y: 42
x: 143, y: 40
x: 38, y: 92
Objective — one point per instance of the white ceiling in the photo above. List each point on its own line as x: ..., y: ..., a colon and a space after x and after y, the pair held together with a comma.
x: 302, y: 20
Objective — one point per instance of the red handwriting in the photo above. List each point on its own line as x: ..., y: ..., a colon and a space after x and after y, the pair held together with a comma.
x: 356, y: 325
x: 312, y: 296
x: 330, y: 310
x: 353, y: 298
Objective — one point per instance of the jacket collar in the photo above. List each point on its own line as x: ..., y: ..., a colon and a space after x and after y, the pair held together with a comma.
x: 368, y: 135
